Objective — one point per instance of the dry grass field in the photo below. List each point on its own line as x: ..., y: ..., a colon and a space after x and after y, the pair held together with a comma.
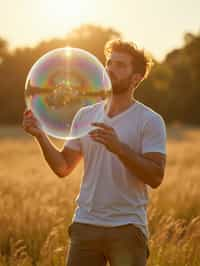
x: 36, y: 206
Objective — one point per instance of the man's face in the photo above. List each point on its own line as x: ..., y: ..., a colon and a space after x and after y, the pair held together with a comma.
x: 120, y: 69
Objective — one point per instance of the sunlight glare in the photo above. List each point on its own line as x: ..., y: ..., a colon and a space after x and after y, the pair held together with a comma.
x: 64, y: 12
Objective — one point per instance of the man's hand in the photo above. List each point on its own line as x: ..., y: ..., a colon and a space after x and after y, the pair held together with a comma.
x: 107, y: 136
x: 149, y: 167
x: 30, y: 124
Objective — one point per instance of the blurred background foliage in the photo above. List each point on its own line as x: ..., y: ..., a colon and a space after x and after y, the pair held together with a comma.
x: 172, y: 89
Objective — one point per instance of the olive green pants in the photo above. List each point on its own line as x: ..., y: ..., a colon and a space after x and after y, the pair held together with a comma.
x: 92, y: 245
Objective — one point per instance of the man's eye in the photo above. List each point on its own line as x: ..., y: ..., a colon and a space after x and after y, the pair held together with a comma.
x: 118, y: 64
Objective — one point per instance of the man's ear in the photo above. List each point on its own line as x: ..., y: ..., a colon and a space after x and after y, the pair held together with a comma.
x: 136, y: 78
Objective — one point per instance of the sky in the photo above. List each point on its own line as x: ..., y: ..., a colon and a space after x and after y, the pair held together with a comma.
x: 156, y: 25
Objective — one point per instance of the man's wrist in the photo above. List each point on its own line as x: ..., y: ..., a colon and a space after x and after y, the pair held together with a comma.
x: 126, y: 152
x: 40, y: 136
x: 121, y: 150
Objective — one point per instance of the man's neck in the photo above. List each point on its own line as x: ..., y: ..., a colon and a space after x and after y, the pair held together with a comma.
x: 118, y: 103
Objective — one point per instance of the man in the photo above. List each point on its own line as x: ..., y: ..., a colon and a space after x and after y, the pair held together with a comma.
x: 123, y: 156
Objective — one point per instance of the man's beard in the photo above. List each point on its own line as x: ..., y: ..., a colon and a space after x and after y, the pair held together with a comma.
x: 120, y: 87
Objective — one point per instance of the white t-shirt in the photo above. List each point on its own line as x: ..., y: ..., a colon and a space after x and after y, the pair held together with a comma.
x: 109, y: 194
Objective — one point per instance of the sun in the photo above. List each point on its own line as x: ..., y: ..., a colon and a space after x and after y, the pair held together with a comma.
x: 61, y: 8
x: 63, y: 13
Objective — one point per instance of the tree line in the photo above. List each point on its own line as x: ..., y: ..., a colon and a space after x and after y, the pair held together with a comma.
x: 172, y: 88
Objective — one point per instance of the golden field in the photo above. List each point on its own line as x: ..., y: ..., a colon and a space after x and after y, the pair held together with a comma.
x: 36, y: 206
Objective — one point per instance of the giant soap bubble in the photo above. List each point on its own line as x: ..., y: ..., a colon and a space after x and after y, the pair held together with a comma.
x: 59, y: 84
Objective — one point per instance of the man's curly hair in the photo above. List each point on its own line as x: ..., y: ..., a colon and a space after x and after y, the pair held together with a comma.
x: 142, y: 63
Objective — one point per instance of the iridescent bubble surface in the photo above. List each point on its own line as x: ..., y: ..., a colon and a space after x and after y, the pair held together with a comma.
x: 59, y: 84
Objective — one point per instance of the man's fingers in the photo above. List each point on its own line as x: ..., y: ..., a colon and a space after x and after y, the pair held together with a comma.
x: 27, y: 111
x: 103, y: 136
x: 30, y: 120
x: 102, y: 125
x: 101, y: 132
x: 29, y: 115
x: 31, y: 123
x: 100, y: 139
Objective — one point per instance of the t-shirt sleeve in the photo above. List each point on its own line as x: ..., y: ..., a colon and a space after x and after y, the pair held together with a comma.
x: 154, y: 136
x: 74, y: 144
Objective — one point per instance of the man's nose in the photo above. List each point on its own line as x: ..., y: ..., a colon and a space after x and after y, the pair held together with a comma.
x: 111, y: 74
x: 110, y: 67
x: 110, y: 70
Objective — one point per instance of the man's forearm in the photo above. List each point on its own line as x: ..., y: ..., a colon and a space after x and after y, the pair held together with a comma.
x: 147, y: 170
x: 53, y: 156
